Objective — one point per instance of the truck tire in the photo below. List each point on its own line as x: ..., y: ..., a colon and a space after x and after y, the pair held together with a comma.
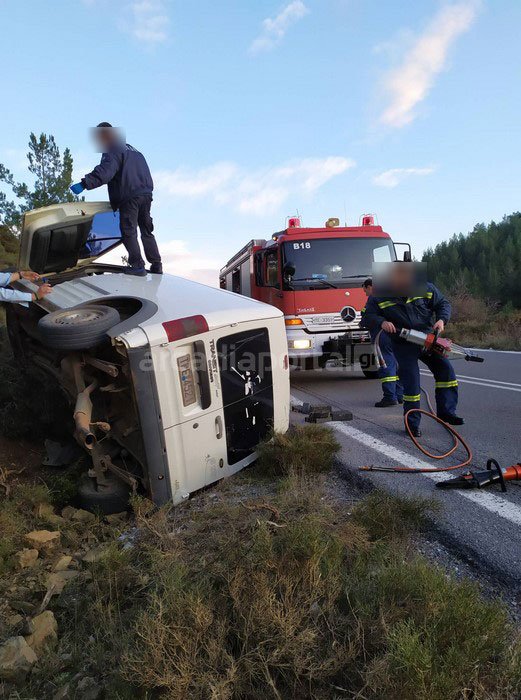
x: 77, y: 328
x: 112, y: 498
x: 370, y: 373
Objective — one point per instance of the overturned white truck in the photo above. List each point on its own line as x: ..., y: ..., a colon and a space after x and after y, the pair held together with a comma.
x: 171, y: 383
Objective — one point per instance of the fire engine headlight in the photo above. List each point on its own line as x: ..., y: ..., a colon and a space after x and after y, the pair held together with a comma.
x: 300, y: 344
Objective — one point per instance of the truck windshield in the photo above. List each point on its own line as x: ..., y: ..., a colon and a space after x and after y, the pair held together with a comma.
x: 339, y: 262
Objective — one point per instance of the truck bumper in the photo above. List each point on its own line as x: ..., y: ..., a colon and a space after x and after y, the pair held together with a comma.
x: 342, y: 348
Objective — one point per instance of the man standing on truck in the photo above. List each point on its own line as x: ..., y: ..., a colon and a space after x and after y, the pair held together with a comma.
x: 391, y: 386
x: 126, y: 173
x: 398, y: 308
x: 13, y: 295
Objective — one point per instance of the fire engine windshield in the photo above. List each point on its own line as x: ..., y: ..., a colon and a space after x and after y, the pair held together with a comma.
x: 334, y: 262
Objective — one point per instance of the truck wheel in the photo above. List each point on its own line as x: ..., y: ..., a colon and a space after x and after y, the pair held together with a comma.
x: 78, y: 328
x: 112, y: 498
x: 370, y: 373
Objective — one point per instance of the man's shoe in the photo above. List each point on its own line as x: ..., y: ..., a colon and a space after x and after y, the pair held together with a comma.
x: 451, y: 419
x: 385, y: 403
x: 416, y: 432
x: 400, y: 400
x: 136, y: 271
x: 156, y: 268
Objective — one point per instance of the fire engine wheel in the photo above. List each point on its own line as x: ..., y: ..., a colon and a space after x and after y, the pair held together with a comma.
x: 110, y: 498
x: 78, y: 328
x: 370, y: 373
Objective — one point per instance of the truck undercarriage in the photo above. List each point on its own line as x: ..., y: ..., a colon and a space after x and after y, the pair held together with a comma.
x: 96, y: 385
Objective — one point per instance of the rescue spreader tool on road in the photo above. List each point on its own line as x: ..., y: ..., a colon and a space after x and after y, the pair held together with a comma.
x: 478, y: 480
x: 432, y: 344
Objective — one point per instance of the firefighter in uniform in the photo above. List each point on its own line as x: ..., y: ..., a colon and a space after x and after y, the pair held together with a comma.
x: 417, y: 312
x: 391, y: 386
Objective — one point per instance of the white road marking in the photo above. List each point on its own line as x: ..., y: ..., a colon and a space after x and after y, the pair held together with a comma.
x: 510, y: 352
x: 494, y: 504
x: 485, y: 379
x: 488, y: 383
x: 490, y: 501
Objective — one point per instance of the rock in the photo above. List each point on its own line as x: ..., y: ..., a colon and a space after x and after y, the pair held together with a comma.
x: 22, y: 606
x: 45, y: 632
x: 83, y: 516
x: 45, y: 512
x: 62, y: 563
x: 63, y: 693
x: 88, y: 689
x: 116, y: 518
x: 16, y: 659
x: 26, y: 558
x: 27, y: 627
x: 68, y: 512
x: 14, y: 620
x: 43, y: 540
x: 59, y: 579
x: 95, y: 554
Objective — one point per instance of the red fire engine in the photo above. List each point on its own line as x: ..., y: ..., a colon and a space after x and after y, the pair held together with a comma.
x: 315, y: 276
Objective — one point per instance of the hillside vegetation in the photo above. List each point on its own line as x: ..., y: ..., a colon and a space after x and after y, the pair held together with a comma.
x: 8, y: 248
x: 479, y: 272
x: 485, y: 261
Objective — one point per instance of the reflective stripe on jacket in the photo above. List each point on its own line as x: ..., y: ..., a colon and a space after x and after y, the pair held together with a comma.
x: 418, y: 312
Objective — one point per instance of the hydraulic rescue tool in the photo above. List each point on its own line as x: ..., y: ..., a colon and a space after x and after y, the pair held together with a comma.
x: 432, y: 343
x: 477, y: 480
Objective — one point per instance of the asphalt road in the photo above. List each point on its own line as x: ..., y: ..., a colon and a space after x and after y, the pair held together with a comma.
x: 484, y: 526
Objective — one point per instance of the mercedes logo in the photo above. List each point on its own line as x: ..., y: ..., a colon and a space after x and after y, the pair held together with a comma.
x: 348, y: 314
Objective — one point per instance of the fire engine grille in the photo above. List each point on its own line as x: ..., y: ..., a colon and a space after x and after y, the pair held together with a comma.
x: 316, y: 323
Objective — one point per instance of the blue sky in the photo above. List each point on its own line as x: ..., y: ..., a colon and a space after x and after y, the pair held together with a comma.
x: 249, y: 110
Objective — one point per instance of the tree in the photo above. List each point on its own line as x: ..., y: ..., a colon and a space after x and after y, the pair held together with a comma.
x: 8, y: 248
x: 487, y: 261
x: 52, y: 176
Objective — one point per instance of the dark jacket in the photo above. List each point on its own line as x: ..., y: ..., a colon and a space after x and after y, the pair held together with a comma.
x: 416, y: 312
x: 126, y: 173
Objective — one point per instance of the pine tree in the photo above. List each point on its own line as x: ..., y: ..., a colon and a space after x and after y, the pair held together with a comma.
x: 52, y: 174
x: 487, y: 261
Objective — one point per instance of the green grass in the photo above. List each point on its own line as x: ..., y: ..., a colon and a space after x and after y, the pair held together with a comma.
x: 281, y: 595
x: 303, y: 450
x: 388, y: 517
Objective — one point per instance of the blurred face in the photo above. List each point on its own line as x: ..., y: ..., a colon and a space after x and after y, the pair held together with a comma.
x: 106, y: 138
x: 368, y: 290
x: 399, y: 279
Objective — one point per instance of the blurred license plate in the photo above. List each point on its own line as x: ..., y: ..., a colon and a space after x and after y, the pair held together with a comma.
x: 186, y: 377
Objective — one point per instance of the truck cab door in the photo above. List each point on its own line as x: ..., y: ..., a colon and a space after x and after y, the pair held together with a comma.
x: 268, y: 269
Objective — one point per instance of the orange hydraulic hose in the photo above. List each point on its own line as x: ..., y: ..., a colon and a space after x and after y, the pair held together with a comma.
x: 457, y: 441
x: 456, y: 437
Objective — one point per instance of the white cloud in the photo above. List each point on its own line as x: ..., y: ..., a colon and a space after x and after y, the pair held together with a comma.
x: 185, y: 183
x: 150, y: 21
x: 274, y: 29
x: 259, y: 192
x: 394, y: 176
x: 411, y: 82
x: 179, y: 260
